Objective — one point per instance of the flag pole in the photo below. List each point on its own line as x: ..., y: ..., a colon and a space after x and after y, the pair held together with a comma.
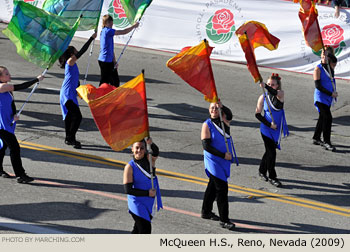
x: 224, y: 134
x: 223, y: 128
x: 148, y: 145
x: 222, y: 122
x: 324, y: 49
x: 92, y: 46
x: 150, y: 152
x: 122, y: 52
x: 261, y: 80
x: 267, y: 101
x: 33, y: 89
x: 88, y: 65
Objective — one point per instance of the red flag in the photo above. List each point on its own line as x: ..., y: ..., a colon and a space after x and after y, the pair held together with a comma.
x: 251, y: 35
x: 308, y: 17
x: 119, y: 113
x: 193, y: 65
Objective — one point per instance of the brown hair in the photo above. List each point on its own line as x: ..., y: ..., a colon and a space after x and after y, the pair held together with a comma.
x: 105, y: 19
x: 275, y: 76
x: 332, y: 59
x: 329, y: 49
x: 331, y: 56
x: 65, y: 56
x: 2, y: 68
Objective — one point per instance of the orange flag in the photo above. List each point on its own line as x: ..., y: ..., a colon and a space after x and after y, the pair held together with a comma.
x: 119, y: 113
x: 308, y: 17
x: 193, y: 65
x: 251, y: 35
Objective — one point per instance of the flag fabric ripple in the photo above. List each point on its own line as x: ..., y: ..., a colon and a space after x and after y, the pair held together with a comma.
x: 40, y: 37
x: 193, y: 65
x: 134, y: 9
x: 253, y: 34
x: 310, y: 27
x: 119, y: 113
x: 73, y: 9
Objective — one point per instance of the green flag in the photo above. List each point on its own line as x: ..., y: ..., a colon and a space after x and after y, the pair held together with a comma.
x: 72, y: 9
x: 134, y: 9
x: 40, y: 37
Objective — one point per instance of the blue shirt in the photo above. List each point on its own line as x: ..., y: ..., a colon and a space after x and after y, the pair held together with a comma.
x: 142, y: 206
x: 69, y: 87
x: 106, y: 45
x: 280, y: 121
x: 327, y: 84
x: 6, y: 113
x: 214, y: 165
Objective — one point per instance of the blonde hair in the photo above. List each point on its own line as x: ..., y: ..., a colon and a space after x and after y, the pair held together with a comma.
x: 105, y: 19
x: 2, y: 68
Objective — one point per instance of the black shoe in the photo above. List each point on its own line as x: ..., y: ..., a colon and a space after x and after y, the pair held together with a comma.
x: 275, y: 182
x: 68, y: 142
x: 317, y: 142
x: 5, y: 174
x: 228, y: 225
x: 24, y: 179
x: 263, y: 177
x: 210, y: 216
x: 77, y: 145
x: 329, y: 147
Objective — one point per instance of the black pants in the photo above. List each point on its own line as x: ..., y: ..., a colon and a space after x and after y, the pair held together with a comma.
x: 72, y: 121
x: 268, y: 161
x: 141, y: 225
x: 10, y: 140
x: 109, y: 74
x: 216, y: 189
x: 324, y: 123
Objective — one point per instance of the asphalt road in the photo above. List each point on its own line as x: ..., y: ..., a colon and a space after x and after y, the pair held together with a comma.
x: 81, y: 191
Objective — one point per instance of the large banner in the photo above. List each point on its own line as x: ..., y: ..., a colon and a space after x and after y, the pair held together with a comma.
x: 170, y: 25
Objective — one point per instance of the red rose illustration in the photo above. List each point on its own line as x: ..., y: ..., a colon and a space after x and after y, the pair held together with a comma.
x: 332, y: 35
x: 223, y: 21
x: 118, y: 9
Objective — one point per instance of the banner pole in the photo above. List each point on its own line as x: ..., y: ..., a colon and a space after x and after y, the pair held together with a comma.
x: 92, y: 46
x: 148, y: 145
x: 33, y: 89
x: 261, y: 80
x: 223, y: 129
x: 212, y: 76
x: 324, y: 49
x: 89, y: 59
x: 150, y: 152
x: 122, y: 52
x: 268, y: 103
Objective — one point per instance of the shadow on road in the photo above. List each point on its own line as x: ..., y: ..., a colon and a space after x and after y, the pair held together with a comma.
x: 342, y: 120
x: 293, y: 228
x: 48, y: 119
x: 37, y: 213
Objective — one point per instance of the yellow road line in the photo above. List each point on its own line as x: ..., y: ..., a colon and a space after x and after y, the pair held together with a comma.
x: 260, y: 193
x: 192, y: 179
x: 45, y: 147
x: 72, y: 156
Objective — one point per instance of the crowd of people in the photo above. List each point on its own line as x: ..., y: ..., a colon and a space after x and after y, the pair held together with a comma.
x: 140, y: 180
x: 338, y: 4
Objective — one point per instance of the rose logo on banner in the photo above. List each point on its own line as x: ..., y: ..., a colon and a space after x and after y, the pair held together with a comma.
x: 333, y: 35
x: 220, y: 26
x: 32, y: 2
x: 117, y: 12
